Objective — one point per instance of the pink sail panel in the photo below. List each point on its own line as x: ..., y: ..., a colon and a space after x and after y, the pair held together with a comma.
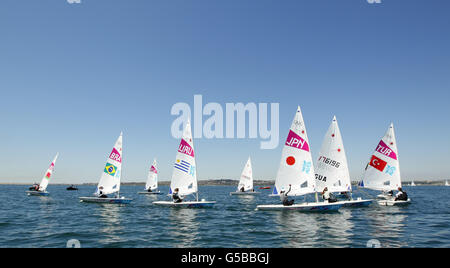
x: 383, y: 149
x: 185, y: 148
x: 115, y: 155
x: 294, y: 140
x: 153, y: 169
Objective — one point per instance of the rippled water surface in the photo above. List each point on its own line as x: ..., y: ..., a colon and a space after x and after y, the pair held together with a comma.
x: 52, y: 221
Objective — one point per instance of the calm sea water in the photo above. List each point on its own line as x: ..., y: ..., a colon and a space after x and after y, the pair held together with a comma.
x: 52, y: 221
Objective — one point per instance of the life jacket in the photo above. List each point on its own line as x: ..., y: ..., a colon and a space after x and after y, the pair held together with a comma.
x: 403, y: 196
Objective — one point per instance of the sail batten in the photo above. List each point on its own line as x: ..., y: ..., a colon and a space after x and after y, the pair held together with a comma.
x: 296, y: 166
x: 332, y: 167
x: 383, y: 171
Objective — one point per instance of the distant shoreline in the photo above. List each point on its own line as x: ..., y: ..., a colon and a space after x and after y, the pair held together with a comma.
x: 228, y: 182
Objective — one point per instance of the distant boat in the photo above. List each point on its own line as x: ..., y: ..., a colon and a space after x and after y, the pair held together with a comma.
x: 383, y: 171
x: 446, y: 183
x: 332, y: 168
x: 265, y: 188
x: 296, y: 171
x: 184, y: 175
x: 110, y: 180
x: 412, y: 183
x: 151, y: 186
x: 245, y: 186
x: 72, y: 188
x: 40, y: 189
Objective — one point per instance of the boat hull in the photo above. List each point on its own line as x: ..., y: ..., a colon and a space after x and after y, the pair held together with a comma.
x: 305, y: 207
x: 37, y: 193
x: 187, y: 204
x: 105, y: 200
x: 150, y: 193
x: 394, y: 203
x: 384, y: 196
x: 356, y: 203
x: 244, y: 193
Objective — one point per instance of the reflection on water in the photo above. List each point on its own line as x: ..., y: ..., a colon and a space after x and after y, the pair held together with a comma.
x: 246, y: 200
x: 388, y: 224
x: 296, y: 229
x: 335, y: 229
x: 299, y: 229
x: 109, y: 222
x: 46, y: 210
x: 184, y: 228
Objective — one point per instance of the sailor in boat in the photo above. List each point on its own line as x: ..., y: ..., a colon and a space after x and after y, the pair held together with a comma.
x: 242, y: 189
x: 284, y: 198
x: 102, y: 195
x: 401, y: 195
x: 326, y: 195
x: 176, y: 197
x: 345, y: 195
x: 35, y: 187
x: 149, y: 189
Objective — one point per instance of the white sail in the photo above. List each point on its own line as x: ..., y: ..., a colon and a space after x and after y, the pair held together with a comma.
x: 446, y: 183
x: 332, y: 168
x: 383, y: 170
x: 110, y: 180
x: 296, y: 167
x: 152, y: 179
x: 184, y: 176
x: 246, y: 179
x: 48, y: 175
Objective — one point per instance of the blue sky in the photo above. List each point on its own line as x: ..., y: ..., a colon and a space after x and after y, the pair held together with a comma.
x: 72, y: 76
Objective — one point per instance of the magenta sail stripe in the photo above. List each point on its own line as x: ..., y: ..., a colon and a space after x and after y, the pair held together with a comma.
x: 294, y: 140
x: 383, y: 149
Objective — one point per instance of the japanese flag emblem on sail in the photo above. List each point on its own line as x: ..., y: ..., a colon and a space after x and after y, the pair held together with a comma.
x: 378, y: 163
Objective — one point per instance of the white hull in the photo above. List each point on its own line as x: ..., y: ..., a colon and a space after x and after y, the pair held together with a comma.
x: 187, y: 204
x: 244, y: 193
x: 394, y: 203
x: 37, y: 193
x: 304, y: 207
x: 150, y: 193
x: 356, y: 203
x: 384, y: 196
x: 121, y: 200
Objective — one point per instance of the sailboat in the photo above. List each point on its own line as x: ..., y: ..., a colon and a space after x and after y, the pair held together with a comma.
x: 151, y: 186
x: 332, y: 168
x: 446, y: 183
x: 110, y: 179
x: 296, y: 171
x: 184, y: 176
x: 383, y: 171
x: 245, y: 186
x: 41, y: 189
x: 412, y: 183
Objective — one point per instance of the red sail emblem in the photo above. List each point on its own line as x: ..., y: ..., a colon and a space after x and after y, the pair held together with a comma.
x: 378, y: 163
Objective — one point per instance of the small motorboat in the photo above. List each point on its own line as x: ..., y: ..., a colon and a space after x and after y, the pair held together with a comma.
x: 264, y: 188
x: 72, y: 188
